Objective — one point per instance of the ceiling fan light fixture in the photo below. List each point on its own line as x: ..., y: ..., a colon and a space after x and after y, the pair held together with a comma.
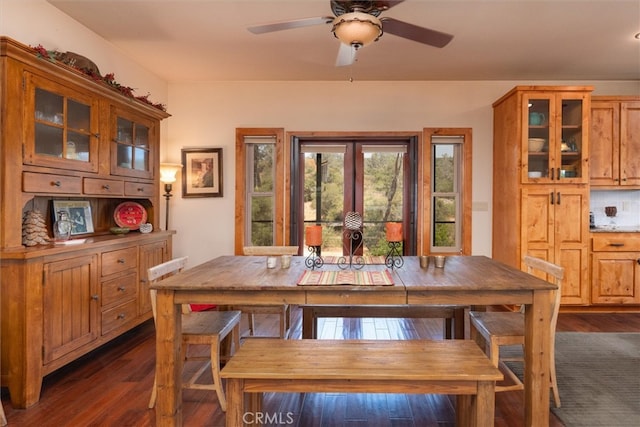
x: 357, y: 28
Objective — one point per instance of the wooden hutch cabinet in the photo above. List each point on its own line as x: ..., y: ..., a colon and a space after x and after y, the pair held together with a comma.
x: 615, y: 141
x: 65, y: 136
x: 540, y: 181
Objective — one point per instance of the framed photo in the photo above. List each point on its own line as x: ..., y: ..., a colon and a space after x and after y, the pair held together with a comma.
x: 202, y: 172
x: 79, y: 212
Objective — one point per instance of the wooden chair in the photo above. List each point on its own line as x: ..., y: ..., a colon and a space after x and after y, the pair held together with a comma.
x: 204, y: 328
x: 495, y: 329
x: 284, y: 311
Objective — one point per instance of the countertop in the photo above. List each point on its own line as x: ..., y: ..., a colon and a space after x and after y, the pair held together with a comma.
x: 615, y: 229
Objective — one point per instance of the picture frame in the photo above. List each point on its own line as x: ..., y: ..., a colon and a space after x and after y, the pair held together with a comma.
x: 202, y: 172
x: 79, y: 212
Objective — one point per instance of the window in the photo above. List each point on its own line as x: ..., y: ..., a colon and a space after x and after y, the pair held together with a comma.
x: 260, y: 191
x: 260, y: 188
x: 447, y: 178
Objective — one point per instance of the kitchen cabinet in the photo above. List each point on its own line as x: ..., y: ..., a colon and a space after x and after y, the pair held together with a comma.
x: 549, y: 231
x: 615, y: 141
x: 615, y: 269
x: 66, y: 136
x: 540, y: 187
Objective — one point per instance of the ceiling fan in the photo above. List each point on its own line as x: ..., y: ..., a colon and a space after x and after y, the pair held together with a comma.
x: 356, y: 24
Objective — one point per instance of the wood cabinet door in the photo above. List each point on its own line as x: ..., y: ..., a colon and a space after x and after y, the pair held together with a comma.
x: 604, y: 143
x: 571, y: 236
x: 537, y: 234
x: 615, y: 278
x: 70, y: 305
x: 151, y: 255
x: 61, y: 126
x: 554, y: 228
x: 630, y: 143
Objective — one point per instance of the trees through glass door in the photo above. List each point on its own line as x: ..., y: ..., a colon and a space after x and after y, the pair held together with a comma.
x: 372, y: 178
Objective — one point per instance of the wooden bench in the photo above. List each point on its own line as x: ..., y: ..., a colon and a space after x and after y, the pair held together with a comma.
x: 453, y: 316
x: 362, y: 366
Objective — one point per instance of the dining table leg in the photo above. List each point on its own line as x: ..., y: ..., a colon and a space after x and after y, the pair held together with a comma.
x: 168, y: 360
x: 537, y: 357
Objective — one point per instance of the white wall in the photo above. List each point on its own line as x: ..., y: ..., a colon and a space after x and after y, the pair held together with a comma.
x: 207, y: 114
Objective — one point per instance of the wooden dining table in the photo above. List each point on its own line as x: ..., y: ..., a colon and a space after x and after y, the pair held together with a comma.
x: 464, y: 280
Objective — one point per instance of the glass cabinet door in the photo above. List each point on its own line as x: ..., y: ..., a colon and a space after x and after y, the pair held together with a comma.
x: 554, y: 148
x: 132, y: 146
x: 62, y: 132
x: 539, y: 136
x: 572, y: 141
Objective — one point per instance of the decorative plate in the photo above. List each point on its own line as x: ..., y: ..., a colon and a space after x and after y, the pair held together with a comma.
x: 130, y: 215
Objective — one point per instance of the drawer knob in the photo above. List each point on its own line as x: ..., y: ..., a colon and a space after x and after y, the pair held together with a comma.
x: 121, y: 261
x: 106, y: 187
x: 56, y: 183
x: 122, y: 288
x: 95, y: 297
x: 121, y: 316
x: 140, y: 189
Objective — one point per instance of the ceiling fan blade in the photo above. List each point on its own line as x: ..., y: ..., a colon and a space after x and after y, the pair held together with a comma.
x: 287, y: 25
x: 346, y: 55
x: 415, y: 33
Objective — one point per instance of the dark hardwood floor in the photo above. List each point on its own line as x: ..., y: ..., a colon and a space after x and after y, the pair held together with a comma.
x: 111, y: 386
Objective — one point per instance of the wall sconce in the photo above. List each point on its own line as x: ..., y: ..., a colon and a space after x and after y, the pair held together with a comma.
x: 168, y: 173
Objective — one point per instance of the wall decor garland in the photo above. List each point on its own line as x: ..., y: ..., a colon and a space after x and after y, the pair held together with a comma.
x: 89, y: 68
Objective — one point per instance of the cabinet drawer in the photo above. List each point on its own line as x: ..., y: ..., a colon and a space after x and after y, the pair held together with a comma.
x: 46, y: 183
x: 616, y: 243
x: 139, y: 189
x: 119, y: 316
x: 119, y: 289
x: 121, y: 260
x: 103, y: 187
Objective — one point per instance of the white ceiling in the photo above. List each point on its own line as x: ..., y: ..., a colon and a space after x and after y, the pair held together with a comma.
x: 206, y: 40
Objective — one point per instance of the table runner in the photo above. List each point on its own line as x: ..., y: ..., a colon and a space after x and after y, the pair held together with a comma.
x: 328, y: 278
x: 367, y: 259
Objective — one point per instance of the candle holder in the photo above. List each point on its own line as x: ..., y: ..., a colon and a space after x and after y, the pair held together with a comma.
x: 394, y: 257
x: 352, y: 261
x: 352, y: 242
x: 314, y: 260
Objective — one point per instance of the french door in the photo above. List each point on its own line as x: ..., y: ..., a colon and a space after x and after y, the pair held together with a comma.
x: 374, y: 178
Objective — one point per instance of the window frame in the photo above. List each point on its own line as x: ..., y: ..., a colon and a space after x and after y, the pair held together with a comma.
x: 465, y: 189
x: 281, y: 192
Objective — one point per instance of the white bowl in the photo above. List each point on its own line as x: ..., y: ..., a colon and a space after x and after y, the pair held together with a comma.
x: 535, y: 174
x: 536, y: 144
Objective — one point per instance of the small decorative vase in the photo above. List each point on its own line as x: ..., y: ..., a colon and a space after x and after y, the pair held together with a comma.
x: 62, y: 227
x: 146, y: 227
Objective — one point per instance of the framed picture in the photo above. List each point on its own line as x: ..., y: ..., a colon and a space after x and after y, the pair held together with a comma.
x: 79, y: 212
x: 202, y: 172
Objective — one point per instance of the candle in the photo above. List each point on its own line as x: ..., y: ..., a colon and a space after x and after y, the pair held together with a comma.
x: 394, y: 231
x: 313, y: 235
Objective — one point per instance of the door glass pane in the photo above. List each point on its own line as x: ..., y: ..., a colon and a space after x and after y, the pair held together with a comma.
x: 78, y: 116
x: 445, y: 203
x: 538, y: 143
x: 323, y: 198
x: 571, y: 144
x: 260, y: 156
x: 383, y: 190
x: 262, y: 224
x: 48, y: 140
